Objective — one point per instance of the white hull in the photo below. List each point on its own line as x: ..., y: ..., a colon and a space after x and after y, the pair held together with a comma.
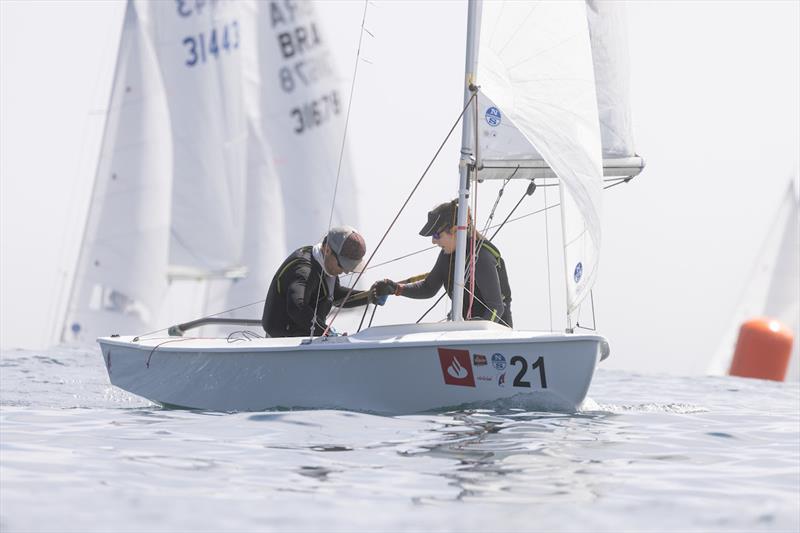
x: 388, y: 370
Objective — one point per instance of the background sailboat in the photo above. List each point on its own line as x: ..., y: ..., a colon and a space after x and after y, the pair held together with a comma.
x: 221, y: 152
x: 773, y: 286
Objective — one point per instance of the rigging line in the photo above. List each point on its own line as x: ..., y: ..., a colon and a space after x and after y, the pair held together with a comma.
x: 497, y: 201
x: 135, y: 339
x: 547, y: 253
x: 402, y: 257
x: 372, y: 317
x: 472, y: 258
x: 408, y: 199
x: 498, y: 226
x: 527, y: 192
x: 548, y: 207
x: 366, y: 308
x: 473, y: 252
x: 159, y: 345
x: 594, y: 319
x: 487, y: 307
x: 319, y: 287
x: 431, y: 307
x: 347, y: 117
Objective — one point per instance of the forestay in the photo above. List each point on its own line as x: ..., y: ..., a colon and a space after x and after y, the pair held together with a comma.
x: 539, y: 102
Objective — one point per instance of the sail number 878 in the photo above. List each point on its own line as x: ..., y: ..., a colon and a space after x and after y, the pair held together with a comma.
x: 523, y: 369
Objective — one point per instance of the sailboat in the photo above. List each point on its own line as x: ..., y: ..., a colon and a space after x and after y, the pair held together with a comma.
x: 773, y: 285
x: 220, y: 114
x: 545, y: 95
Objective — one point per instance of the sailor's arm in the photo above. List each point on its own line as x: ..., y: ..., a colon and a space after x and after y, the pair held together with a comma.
x: 297, y: 303
x: 429, y: 286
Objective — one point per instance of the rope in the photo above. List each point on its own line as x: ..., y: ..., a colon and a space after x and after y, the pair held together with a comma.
x: 431, y: 307
x: 486, y: 306
x: 594, y: 320
x: 400, y: 211
x: 157, y: 346
x: 472, y: 250
x: 316, y: 304
x: 347, y: 117
x: 529, y: 191
x: 366, y: 308
x: 375, y: 308
x: 547, y: 252
x: 135, y: 339
x: 497, y: 201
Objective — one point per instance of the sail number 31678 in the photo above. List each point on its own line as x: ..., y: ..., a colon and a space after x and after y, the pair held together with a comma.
x: 315, y: 112
x: 519, y: 380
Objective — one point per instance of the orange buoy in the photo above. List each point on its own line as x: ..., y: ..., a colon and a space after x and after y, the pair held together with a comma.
x: 763, y: 350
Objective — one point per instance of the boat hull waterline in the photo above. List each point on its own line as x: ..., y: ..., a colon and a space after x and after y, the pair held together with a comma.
x: 386, y: 370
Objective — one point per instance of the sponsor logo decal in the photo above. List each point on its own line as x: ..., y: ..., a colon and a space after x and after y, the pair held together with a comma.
x: 478, y: 359
x: 501, y: 381
x: 456, y: 367
x: 578, y: 272
x: 499, y: 362
x: 493, y: 117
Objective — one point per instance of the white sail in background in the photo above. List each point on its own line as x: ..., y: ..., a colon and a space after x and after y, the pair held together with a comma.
x: 296, y: 107
x: 302, y: 108
x: 773, y: 286
x: 200, y: 47
x: 220, y: 155
x: 608, y: 32
x: 121, y: 275
x: 536, y: 73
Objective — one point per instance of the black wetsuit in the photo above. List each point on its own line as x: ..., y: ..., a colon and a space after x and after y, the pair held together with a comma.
x: 297, y: 289
x: 492, y: 291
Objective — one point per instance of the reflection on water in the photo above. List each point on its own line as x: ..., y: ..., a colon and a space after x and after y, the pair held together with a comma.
x: 647, y: 453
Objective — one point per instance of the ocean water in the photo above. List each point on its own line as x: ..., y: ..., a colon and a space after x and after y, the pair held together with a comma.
x: 648, y: 453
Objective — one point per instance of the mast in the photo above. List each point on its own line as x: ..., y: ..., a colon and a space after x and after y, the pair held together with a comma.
x: 467, y: 157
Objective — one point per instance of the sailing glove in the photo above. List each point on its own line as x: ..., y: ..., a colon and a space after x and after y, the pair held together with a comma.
x: 384, y: 287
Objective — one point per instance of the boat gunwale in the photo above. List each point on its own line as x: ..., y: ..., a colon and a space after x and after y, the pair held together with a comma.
x: 173, y: 344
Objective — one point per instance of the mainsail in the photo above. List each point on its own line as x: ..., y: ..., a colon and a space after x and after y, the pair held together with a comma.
x: 538, y: 116
x: 221, y: 114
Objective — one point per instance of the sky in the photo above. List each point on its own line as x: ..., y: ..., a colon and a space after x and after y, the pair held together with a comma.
x: 716, y: 115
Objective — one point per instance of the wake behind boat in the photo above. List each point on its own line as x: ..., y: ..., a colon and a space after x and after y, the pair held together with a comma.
x: 385, y: 369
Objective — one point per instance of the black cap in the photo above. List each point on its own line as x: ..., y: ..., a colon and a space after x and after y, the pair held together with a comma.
x: 441, y: 217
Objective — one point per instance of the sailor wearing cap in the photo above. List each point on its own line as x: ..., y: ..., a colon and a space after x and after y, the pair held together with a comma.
x: 492, y: 298
x: 307, y: 283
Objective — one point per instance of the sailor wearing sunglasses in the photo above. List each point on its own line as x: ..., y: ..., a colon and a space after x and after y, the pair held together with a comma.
x: 492, y: 294
x: 305, y: 286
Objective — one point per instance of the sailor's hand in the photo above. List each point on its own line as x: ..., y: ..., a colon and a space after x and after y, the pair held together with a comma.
x: 374, y: 298
x: 384, y: 287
